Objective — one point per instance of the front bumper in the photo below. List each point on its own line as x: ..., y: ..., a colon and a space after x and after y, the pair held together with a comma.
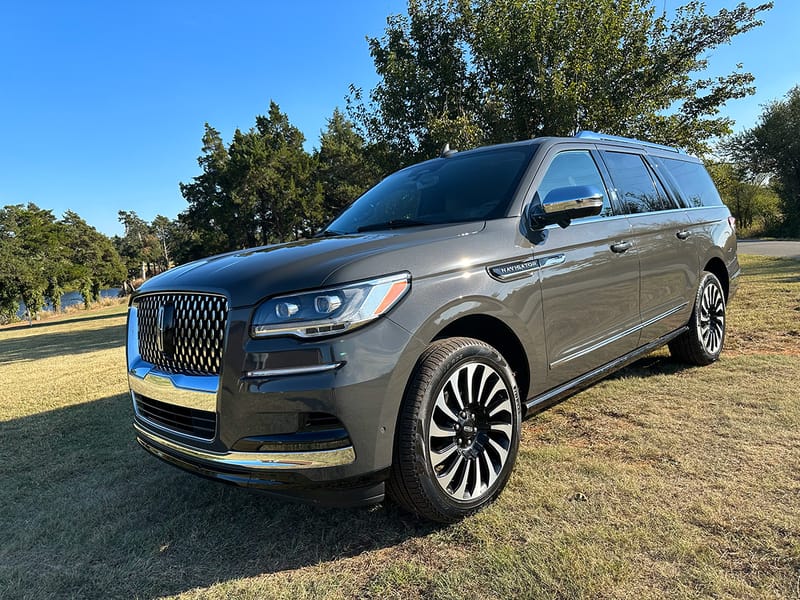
x: 249, y: 461
x: 258, y: 409
x: 275, y: 474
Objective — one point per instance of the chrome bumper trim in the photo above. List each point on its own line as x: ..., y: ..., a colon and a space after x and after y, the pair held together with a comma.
x: 294, y: 370
x: 190, y: 391
x: 252, y: 460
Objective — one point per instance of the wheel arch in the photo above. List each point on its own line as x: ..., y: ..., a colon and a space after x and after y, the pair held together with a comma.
x: 500, y: 336
x: 718, y: 268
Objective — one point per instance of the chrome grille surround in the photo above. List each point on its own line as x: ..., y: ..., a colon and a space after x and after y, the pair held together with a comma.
x: 198, y: 333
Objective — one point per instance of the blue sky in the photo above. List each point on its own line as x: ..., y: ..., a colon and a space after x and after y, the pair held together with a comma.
x: 102, y: 104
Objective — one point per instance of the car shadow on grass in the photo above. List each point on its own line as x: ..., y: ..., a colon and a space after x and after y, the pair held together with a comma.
x: 61, y: 343
x: 87, y: 513
x: 652, y: 364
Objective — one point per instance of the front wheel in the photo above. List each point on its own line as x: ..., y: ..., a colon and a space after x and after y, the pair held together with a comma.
x: 702, y: 343
x: 458, y: 431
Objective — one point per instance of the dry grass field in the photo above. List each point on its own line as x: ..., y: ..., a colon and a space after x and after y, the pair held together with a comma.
x: 660, y: 482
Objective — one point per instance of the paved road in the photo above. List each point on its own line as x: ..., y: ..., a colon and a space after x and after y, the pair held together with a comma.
x: 784, y: 249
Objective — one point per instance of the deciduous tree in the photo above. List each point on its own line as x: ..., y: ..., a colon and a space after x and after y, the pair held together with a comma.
x: 471, y: 72
x: 753, y: 202
x: 772, y: 148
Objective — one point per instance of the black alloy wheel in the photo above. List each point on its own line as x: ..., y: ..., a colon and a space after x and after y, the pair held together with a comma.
x: 702, y: 343
x: 458, y: 431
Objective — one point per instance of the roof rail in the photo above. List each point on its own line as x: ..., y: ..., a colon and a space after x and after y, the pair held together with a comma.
x: 593, y: 135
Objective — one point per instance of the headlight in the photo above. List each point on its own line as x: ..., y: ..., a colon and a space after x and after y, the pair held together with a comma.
x: 331, y: 310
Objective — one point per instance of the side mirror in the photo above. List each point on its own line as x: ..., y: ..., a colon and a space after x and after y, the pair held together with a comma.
x: 561, y: 205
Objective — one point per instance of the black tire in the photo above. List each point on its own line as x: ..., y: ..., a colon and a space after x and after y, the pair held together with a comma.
x: 702, y: 343
x: 455, y: 445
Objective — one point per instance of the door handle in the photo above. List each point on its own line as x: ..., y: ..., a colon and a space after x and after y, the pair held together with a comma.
x: 682, y: 235
x: 552, y: 260
x: 621, y: 247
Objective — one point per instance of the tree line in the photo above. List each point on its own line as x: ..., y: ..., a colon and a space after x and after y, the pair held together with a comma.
x: 262, y: 188
x: 42, y: 257
x: 457, y: 72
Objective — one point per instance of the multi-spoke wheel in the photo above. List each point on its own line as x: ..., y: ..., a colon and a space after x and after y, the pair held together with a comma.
x: 458, y: 431
x: 702, y: 343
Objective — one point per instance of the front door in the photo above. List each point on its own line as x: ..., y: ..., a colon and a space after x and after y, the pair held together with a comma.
x: 589, y: 277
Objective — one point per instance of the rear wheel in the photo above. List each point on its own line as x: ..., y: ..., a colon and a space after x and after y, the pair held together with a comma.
x: 458, y: 431
x: 702, y: 343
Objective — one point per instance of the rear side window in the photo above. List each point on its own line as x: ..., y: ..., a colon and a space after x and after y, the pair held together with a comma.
x: 571, y: 168
x: 637, y: 190
x: 694, y: 182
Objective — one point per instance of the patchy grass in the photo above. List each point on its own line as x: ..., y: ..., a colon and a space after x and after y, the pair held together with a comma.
x: 660, y: 482
x: 765, y: 317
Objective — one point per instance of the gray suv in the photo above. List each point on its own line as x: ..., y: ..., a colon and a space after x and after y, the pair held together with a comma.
x: 399, y: 350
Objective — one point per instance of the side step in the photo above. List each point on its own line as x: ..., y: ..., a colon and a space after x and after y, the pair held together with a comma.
x: 557, y: 394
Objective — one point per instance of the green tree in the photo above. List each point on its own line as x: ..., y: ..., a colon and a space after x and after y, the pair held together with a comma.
x: 273, y: 175
x: 259, y: 190
x: 36, y: 244
x: 11, y: 265
x: 755, y: 204
x: 95, y: 262
x: 470, y: 72
x: 163, y: 228
x: 140, y: 245
x: 428, y: 92
x: 214, y: 217
x: 41, y: 258
x: 344, y: 168
x: 772, y: 148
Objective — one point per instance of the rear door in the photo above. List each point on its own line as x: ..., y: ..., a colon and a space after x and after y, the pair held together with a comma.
x: 589, y: 273
x: 660, y: 229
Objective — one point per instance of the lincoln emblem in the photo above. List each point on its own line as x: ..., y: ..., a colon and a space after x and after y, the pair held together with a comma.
x: 165, y: 340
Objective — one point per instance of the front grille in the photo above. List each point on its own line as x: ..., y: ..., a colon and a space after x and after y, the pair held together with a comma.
x: 196, y: 336
x: 199, y: 423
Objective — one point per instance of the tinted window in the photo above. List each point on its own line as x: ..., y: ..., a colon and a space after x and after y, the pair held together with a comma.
x: 637, y: 191
x: 575, y: 167
x: 694, y: 182
x: 462, y: 187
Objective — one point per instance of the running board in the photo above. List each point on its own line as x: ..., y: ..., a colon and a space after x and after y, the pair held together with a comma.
x: 557, y: 394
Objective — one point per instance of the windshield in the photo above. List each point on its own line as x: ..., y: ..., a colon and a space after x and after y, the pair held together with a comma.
x: 461, y: 187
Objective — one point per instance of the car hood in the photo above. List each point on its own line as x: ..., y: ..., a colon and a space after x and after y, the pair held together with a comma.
x: 248, y: 276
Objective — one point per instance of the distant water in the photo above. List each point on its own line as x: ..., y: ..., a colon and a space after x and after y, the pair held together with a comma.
x: 71, y: 299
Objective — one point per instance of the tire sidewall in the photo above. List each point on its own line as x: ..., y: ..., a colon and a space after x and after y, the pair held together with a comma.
x: 708, y: 279
x: 473, y: 353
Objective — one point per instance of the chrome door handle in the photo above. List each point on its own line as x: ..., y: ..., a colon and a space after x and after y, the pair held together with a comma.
x: 552, y: 260
x: 682, y: 235
x: 621, y: 247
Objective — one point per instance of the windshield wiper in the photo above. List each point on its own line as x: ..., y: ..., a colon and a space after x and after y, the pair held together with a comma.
x: 328, y: 233
x: 393, y: 224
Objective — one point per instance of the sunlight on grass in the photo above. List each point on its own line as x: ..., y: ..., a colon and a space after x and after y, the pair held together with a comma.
x: 62, y: 363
